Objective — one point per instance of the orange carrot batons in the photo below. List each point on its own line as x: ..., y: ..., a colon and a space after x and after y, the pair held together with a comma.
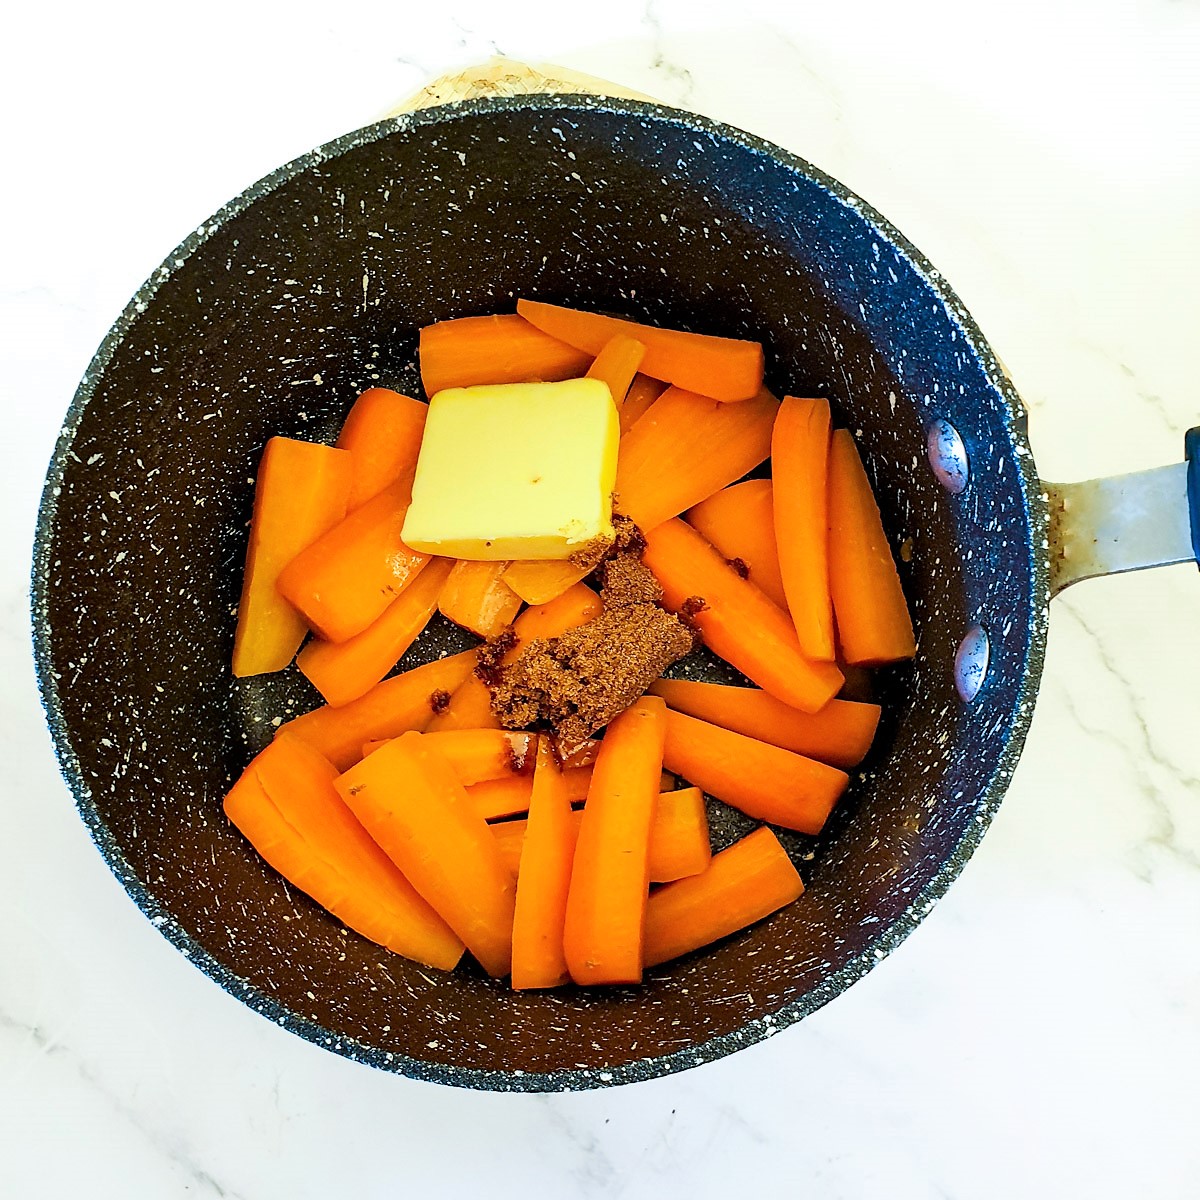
x: 344, y: 580
x: 494, y: 349
x: 736, y: 620
x: 300, y: 493
x: 602, y: 936
x: 799, y: 475
x: 642, y: 393
x: 840, y: 734
x: 382, y: 433
x: 750, y: 880
x: 679, y: 842
x: 477, y: 598
x: 544, y: 879
x: 740, y: 522
x: 344, y: 671
x: 617, y: 364
x: 874, y: 625
x: 761, y: 780
x: 410, y: 801
x: 724, y: 368
x: 389, y: 709
x: 685, y: 448
x: 286, y: 805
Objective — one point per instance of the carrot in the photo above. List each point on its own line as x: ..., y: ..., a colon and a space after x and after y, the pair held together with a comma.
x: 389, y: 709
x: 617, y: 364
x: 508, y: 796
x: 479, y: 755
x: 410, y: 801
x: 299, y: 494
x: 287, y: 807
x: 343, y: 671
x: 543, y: 879
x: 643, y: 392
x: 750, y: 880
x: 539, y: 581
x: 602, y: 937
x: 476, y: 598
x: 345, y: 579
x: 840, y: 734
x: 761, y: 780
x: 736, y: 620
x: 493, y: 349
x: 675, y: 836
x: 799, y: 478
x: 470, y: 706
x: 687, y: 447
x: 724, y: 368
x: 740, y: 522
x: 382, y: 432
x: 874, y: 625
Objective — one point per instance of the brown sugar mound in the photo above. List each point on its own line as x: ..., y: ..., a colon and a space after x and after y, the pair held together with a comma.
x: 578, y: 682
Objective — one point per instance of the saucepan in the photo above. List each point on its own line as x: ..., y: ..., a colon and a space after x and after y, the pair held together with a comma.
x: 310, y: 286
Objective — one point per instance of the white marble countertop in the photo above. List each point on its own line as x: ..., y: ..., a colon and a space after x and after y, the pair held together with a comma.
x: 1039, y: 1035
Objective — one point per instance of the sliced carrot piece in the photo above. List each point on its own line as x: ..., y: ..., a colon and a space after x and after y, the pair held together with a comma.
x: 470, y: 706
x: 344, y: 580
x: 643, y: 392
x: 602, y: 938
x: 750, y: 880
x: 389, y: 709
x: 479, y: 754
x: 874, y: 625
x: 736, y: 620
x: 477, y: 598
x: 494, y: 349
x: 410, y: 801
x: 679, y: 844
x: 538, y: 581
x: 799, y: 479
x: 617, y: 364
x: 687, y: 447
x: 507, y: 796
x: 761, y: 780
x: 382, y: 433
x: 544, y: 879
x: 343, y: 671
x: 286, y: 805
x: 840, y: 734
x: 724, y: 368
x: 299, y: 494
x: 740, y: 522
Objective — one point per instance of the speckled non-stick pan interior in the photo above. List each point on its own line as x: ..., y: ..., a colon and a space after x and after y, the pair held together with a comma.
x: 311, y: 286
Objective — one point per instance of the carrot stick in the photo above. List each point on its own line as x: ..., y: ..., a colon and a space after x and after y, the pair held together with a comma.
x: 687, y: 447
x: 476, y: 598
x: 509, y: 795
x: 761, y: 780
x: 299, y: 494
x: 840, y: 734
x: 345, y: 579
x: 543, y: 879
x: 617, y: 364
x: 539, y: 581
x: 740, y: 522
x: 873, y: 621
x: 470, y: 706
x: 736, y: 620
x: 479, y: 754
x: 724, y: 368
x: 643, y: 392
x: 750, y: 880
x: 389, y: 709
x: 799, y: 479
x: 382, y: 432
x: 602, y: 938
x: 410, y: 801
x: 494, y: 349
x: 343, y: 671
x: 286, y: 805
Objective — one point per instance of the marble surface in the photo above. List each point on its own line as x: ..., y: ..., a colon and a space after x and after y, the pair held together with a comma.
x: 1039, y: 1035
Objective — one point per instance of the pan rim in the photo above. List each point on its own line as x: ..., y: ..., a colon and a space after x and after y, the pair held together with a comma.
x: 573, y: 1079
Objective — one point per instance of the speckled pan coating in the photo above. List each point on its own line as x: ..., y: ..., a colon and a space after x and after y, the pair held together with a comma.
x: 311, y: 285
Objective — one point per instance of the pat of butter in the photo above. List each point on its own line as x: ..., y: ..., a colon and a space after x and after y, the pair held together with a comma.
x: 515, y: 470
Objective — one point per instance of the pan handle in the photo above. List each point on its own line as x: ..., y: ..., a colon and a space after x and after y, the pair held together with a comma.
x: 1126, y: 522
